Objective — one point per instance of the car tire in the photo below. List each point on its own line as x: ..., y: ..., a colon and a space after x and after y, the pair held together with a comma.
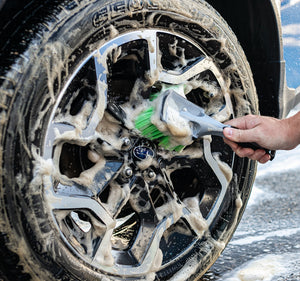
x: 81, y: 201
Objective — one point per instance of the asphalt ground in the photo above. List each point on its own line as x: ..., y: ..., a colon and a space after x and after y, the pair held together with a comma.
x: 266, y: 244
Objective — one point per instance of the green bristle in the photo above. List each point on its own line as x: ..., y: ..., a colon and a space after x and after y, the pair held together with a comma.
x: 165, y: 142
x: 150, y: 131
x: 144, y: 119
x: 154, y: 96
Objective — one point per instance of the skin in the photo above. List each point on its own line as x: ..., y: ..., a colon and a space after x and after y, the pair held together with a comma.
x: 268, y: 132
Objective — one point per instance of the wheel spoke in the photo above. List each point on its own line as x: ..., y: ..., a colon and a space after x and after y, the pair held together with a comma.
x: 200, y: 66
x: 143, y: 241
x: 150, y: 235
x: 99, y: 177
x: 100, y: 62
x: 194, y: 217
x: 62, y: 202
x: 141, y: 202
x: 154, y: 57
x: 220, y: 176
x: 153, y: 221
x: 118, y: 197
x: 56, y: 131
x: 103, y: 254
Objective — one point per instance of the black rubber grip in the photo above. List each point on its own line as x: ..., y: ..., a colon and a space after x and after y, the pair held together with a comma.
x: 255, y: 146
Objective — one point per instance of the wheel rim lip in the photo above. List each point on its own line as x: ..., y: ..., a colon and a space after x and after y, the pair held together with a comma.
x: 48, y: 144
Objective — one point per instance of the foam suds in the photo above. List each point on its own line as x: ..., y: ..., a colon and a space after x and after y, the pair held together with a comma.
x: 146, y: 163
x: 78, y: 120
x: 195, y: 218
x: 224, y: 167
x: 118, y: 197
x: 113, y: 32
x: 266, y: 268
x: 87, y: 177
x: 104, y: 252
x: 175, y: 126
x: 178, y: 126
x: 171, y: 207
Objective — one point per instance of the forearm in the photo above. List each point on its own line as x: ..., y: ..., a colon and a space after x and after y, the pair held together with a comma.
x: 293, y: 130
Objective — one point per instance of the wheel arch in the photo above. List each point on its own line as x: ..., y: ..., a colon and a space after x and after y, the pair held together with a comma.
x: 257, y: 25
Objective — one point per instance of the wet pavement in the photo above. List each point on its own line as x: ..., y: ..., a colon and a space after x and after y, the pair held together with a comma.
x: 266, y: 245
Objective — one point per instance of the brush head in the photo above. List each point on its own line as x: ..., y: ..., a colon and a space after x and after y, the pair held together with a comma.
x: 144, y: 124
x: 188, y: 118
x: 178, y: 121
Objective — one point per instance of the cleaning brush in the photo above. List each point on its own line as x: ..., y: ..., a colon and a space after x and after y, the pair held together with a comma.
x: 182, y: 122
x: 150, y: 131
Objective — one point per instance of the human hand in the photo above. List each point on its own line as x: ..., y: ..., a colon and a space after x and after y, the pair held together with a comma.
x: 268, y: 132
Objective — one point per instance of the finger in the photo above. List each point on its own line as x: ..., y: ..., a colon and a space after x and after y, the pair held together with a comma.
x: 232, y: 144
x: 236, y: 135
x: 239, y: 150
x: 238, y: 123
x: 258, y: 155
x: 245, y: 122
x: 266, y: 158
x: 245, y: 152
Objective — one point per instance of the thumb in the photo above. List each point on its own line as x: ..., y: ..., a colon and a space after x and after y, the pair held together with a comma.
x: 237, y: 135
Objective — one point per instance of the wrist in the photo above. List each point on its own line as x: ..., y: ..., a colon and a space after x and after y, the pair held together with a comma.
x: 292, y: 125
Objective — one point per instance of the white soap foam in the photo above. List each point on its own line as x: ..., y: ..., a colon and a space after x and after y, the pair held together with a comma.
x: 265, y: 268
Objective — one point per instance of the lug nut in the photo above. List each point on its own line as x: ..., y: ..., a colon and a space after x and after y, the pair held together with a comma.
x: 126, y: 142
x: 151, y: 174
x: 128, y: 172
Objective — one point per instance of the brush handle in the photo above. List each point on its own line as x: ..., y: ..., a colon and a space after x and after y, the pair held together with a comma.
x: 255, y: 146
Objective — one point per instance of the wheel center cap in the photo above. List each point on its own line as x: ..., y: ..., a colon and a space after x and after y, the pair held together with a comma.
x: 143, y: 152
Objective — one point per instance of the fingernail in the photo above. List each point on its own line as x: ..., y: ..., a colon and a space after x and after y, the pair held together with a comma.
x: 228, y: 131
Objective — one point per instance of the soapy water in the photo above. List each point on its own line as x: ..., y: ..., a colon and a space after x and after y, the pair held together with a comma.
x: 266, y: 268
